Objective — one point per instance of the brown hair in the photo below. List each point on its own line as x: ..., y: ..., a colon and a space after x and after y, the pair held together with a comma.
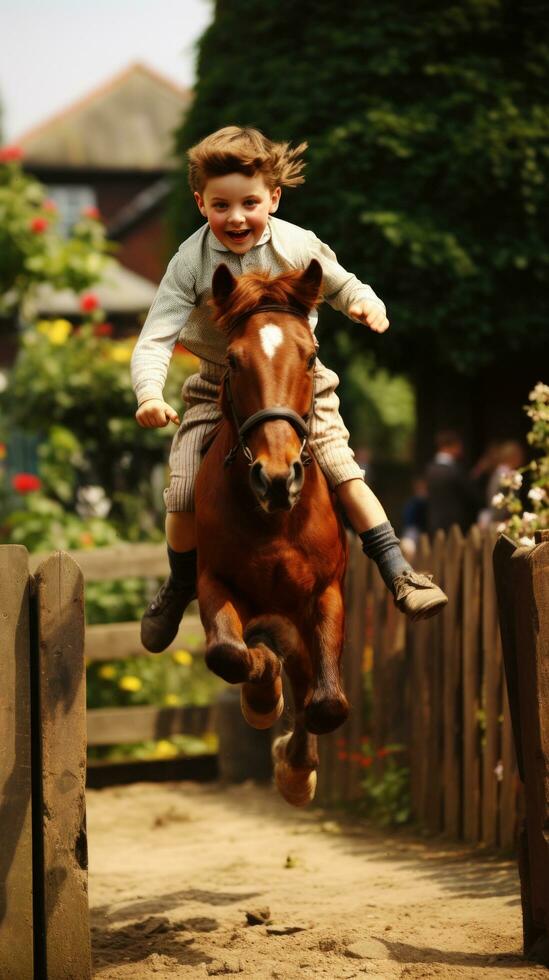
x: 234, y: 149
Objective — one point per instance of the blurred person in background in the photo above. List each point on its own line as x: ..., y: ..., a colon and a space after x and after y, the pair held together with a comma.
x: 506, y: 458
x: 451, y: 494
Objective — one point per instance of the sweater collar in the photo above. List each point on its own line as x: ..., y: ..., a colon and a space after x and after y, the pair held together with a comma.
x: 218, y: 247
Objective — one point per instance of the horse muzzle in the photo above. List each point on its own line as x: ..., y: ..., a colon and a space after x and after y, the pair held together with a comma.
x: 277, y: 491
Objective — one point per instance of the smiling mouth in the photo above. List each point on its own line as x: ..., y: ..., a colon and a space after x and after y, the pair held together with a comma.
x: 239, y: 236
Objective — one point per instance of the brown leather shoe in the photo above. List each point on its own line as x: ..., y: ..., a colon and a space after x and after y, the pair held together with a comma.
x: 160, y: 621
x: 417, y: 595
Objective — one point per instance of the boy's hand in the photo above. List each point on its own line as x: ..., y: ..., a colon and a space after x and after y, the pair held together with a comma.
x: 155, y: 414
x: 370, y: 313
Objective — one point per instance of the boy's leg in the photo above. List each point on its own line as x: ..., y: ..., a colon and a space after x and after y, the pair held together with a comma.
x: 415, y: 594
x: 160, y: 622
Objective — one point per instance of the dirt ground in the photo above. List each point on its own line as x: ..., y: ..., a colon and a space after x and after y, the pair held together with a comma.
x: 174, y: 869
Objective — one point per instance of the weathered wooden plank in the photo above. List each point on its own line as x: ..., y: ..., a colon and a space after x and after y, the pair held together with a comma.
x: 452, y: 683
x: 115, y: 641
x: 434, y: 789
x: 530, y: 580
x: 16, y: 887
x: 118, y: 562
x: 491, y: 696
x: 122, y: 726
x: 62, y: 679
x: 503, y: 552
x: 353, y: 666
x: 471, y: 685
x: 422, y: 642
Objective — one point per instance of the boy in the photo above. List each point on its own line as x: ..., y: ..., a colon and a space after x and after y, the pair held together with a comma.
x: 236, y: 176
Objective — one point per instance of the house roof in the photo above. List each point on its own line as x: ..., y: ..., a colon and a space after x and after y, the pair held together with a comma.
x: 126, y: 124
x: 119, y: 291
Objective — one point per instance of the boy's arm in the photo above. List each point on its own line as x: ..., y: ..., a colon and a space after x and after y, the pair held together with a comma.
x: 342, y: 289
x: 168, y: 314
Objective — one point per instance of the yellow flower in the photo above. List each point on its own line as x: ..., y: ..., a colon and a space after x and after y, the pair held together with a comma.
x: 57, y: 331
x: 182, y: 657
x: 129, y: 683
x: 120, y: 353
x: 165, y: 749
x: 172, y: 700
x: 107, y: 672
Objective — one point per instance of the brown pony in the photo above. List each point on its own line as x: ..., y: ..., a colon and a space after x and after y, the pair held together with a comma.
x: 271, y: 548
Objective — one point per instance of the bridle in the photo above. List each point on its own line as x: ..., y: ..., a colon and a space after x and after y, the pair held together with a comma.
x: 299, y: 422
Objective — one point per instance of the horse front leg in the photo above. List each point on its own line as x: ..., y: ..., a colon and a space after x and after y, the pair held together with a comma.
x: 328, y: 707
x: 229, y: 656
x: 295, y: 755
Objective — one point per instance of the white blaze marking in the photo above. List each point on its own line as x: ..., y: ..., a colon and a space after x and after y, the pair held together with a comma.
x: 271, y: 337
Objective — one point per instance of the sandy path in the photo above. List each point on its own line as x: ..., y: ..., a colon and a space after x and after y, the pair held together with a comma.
x: 175, y: 867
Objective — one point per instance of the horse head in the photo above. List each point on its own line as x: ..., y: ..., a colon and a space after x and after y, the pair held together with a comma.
x: 268, y: 390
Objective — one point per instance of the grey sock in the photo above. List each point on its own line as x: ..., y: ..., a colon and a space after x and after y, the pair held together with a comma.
x: 183, y: 566
x: 382, y: 545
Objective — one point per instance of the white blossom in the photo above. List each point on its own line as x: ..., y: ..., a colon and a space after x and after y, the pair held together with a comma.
x: 92, y: 502
x: 526, y: 542
x: 3, y: 381
x: 516, y: 481
x: 528, y: 517
x: 498, y: 500
x: 501, y: 528
x: 536, y: 493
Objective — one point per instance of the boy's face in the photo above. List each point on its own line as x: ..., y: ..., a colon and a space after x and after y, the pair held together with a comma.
x: 237, y: 208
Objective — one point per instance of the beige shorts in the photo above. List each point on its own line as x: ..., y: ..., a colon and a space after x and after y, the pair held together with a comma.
x: 328, y: 439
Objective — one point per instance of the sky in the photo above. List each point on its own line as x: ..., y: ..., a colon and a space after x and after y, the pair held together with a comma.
x: 53, y: 52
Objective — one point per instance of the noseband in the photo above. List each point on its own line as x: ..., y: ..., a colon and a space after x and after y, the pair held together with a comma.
x: 299, y: 422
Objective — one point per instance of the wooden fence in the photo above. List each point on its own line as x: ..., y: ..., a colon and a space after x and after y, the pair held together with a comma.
x: 115, y: 641
x: 44, y: 931
x: 438, y: 689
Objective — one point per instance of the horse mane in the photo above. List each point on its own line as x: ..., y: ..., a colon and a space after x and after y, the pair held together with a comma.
x: 258, y: 289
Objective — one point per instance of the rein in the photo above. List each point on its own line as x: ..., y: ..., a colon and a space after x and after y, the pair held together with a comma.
x: 299, y: 422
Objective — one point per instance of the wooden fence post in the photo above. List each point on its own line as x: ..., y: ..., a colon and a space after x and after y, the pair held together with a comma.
x: 452, y: 686
x: 62, y: 731
x: 522, y: 576
x: 471, y: 685
x: 16, y: 885
x: 491, y: 697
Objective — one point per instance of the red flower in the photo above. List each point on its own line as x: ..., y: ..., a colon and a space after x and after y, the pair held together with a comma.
x: 8, y: 153
x: 381, y: 753
x: 92, y: 213
x: 49, y: 205
x: 25, y: 482
x: 103, y: 330
x: 366, y: 761
x: 89, y: 302
x: 39, y: 225
x: 342, y: 756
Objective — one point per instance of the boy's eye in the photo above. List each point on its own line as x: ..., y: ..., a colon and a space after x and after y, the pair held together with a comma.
x: 250, y: 203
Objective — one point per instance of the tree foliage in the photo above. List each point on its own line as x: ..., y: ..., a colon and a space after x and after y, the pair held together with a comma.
x: 428, y: 128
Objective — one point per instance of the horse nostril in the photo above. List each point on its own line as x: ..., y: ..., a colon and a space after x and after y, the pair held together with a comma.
x: 295, y: 477
x: 259, y: 481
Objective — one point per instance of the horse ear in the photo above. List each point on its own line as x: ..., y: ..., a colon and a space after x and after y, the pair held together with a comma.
x: 310, y: 284
x: 223, y: 284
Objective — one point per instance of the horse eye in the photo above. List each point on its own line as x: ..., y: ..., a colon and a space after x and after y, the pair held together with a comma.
x: 311, y: 362
x: 232, y: 361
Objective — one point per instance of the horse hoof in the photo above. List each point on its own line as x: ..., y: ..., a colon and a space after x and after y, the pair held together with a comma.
x: 326, y: 715
x: 297, y: 786
x: 257, y: 719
